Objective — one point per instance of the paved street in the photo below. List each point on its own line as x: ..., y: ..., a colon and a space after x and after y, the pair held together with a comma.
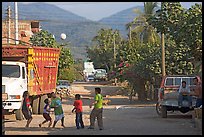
x: 120, y: 118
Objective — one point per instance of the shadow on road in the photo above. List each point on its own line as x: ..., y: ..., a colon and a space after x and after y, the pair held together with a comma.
x: 30, y: 129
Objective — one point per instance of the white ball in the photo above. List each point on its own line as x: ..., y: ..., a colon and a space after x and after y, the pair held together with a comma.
x: 63, y: 36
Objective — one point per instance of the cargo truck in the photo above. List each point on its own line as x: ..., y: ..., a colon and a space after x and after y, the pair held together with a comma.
x: 88, y: 71
x: 28, y: 68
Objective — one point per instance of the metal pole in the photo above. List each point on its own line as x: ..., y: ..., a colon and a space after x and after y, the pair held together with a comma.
x: 114, y: 56
x: 9, y: 24
x: 16, y: 23
x: 163, y: 50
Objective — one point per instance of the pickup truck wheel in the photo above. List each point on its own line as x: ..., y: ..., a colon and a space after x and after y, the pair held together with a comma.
x: 158, y: 108
x: 163, y: 111
x: 19, y: 114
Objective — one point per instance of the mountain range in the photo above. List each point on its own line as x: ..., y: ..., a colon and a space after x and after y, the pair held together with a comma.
x: 79, y: 30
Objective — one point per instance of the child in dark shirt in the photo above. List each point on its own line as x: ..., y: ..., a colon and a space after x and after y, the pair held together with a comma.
x: 78, y: 110
x: 46, y: 113
x: 26, y: 108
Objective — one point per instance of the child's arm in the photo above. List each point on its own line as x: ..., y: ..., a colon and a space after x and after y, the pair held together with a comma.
x: 49, y: 109
x: 73, y: 109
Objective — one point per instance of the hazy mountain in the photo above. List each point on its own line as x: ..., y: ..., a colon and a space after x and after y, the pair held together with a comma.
x: 79, y: 30
x: 120, y: 19
x: 43, y: 11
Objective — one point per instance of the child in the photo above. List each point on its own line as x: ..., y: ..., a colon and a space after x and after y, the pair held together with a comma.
x: 57, y: 105
x: 97, y: 111
x: 78, y: 109
x: 46, y: 113
x: 26, y: 108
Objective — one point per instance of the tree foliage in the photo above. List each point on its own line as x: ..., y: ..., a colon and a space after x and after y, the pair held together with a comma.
x: 142, y: 29
x: 183, y: 26
x: 45, y: 39
x: 102, y: 53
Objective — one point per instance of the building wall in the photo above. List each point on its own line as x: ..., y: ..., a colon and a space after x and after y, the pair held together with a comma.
x: 24, y: 31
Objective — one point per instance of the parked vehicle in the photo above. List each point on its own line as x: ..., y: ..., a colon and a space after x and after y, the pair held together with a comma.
x: 100, y: 75
x: 63, y: 84
x: 32, y: 69
x: 168, y: 95
x: 63, y: 87
x: 90, y: 78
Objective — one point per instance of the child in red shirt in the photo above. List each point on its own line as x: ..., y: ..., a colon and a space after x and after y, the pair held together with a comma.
x: 78, y: 109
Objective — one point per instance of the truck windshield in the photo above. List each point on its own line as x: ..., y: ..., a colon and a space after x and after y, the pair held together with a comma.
x: 10, y: 71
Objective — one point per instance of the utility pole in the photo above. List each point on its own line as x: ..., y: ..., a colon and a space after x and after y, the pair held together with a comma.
x: 9, y: 24
x: 16, y: 23
x: 130, y: 35
x: 163, y: 49
x: 114, y: 56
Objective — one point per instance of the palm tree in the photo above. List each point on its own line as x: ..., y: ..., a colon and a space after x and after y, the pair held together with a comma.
x: 146, y: 32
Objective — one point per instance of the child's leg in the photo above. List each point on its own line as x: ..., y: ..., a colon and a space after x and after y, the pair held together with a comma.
x: 62, y: 121
x: 42, y: 123
x: 81, y: 121
x: 50, y: 123
x: 28, y: 122
x: 55, y: 122
x: 77, y: 120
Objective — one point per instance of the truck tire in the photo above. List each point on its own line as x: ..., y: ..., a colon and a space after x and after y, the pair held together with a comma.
x: 35, y: 106
x: 19, y: 114
x: 163, y: 112
x: 42, y: 104
x: 158, y: 108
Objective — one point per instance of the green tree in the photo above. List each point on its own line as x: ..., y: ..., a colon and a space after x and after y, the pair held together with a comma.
x: 102, y: 52
x: 144, y: 31
x: 184, y: 26
x: 44, y: 39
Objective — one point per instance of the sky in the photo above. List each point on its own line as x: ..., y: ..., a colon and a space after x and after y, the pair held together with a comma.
x: 98, y: 10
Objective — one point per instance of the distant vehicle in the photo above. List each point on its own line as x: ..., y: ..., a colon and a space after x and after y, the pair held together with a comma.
x: 63, y: 88
x: 90, y: 78
x: 168, y: 95
x: 63, y: 84
x: 100, y: 75
x: 88, y: 71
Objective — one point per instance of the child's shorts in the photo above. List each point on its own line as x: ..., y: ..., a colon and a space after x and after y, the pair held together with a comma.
x: 47, y: 117
x: 59, y: 117
x: 27, y: 114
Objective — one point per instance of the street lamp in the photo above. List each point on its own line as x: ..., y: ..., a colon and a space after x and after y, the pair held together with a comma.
x: 63, y: 37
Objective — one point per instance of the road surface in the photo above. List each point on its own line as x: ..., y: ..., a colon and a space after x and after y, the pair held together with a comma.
x: 120, y: 118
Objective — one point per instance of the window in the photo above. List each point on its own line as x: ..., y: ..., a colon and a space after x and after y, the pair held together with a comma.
x: 10, y: 71
x: 23, y: 72
x: 177, y: 81
x: 169, y: 81
x: 191, y: 81
x: 187, y: 80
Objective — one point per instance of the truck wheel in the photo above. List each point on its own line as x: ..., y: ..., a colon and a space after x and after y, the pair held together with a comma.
x: 35, y: 106
x: 19, y: 114
x: 42, y: 104
x: 158, y: 108
x: 163, y: 112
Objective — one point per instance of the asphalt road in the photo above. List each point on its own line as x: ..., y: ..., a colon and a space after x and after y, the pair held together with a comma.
x: 120, y: 118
